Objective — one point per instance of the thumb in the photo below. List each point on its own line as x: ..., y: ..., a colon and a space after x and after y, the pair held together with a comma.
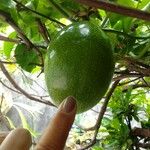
x: 18, y: 139
x: 58, y: 129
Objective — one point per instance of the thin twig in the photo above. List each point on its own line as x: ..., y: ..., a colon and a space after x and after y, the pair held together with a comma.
x: 130, y: 75
x: 143, y: 145
x: 101, y: 114
x: 9, y: 87
x: 130, y: 81
x: 61, y: 10
x: 3, y: 38
x: 12, y: 81
x: 43, y: 31
x: 117, y: 8
x: 125, y: 34
x: 135, y: 86
x: 7, y: 17
x: 134, y: 61
x: 7, y: 62
x: 146, y: 83
x: 41, y: 97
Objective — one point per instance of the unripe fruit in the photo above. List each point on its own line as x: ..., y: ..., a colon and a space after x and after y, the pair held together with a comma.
x: 79, y: 63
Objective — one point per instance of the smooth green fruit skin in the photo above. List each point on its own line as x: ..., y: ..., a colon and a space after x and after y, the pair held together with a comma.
x: 79, y: 63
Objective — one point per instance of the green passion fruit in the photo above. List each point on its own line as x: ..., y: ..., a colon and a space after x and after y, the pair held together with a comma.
x: 79, y: 63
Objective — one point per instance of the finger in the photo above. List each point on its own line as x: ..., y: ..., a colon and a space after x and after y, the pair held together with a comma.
x: 18, y: 139
x: 3, y: 135
x: 54, y: 137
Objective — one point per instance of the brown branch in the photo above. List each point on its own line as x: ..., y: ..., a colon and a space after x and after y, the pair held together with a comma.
x: 130, y: 81
x: 134, y: 69
x: 101, y: 114
x: 141, y: 132
x: 131, y: 75
x: 12, y: 81
x: 10, y: 21
x: 146, y: 82
x: 7, y: 17
x: 7, y: 62
x: 43, y: 31
x: 3, y: 38
x: 124, y: 34
x: 117, y: 8
x: 134, y: 61
x: 61, y: 10
x: 135, y: 86
x: 143, y: 145
x: 9, y: 87
x: 41, y: 97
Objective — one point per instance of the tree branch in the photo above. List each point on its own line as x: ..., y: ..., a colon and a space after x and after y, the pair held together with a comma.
x: 135, y: 86
x: 12, y: 81
x: 3, y: 38
x: 143, y: 145
x: 7, y: 62
x: 141, y: 132
x: 117, y: 9
x: 130, y: 75
x: 9, y: 87
x: 43, y: 31
x: 101, y: 114
x: 10, y: 21
x: 134, y: 67
x: 125, y: 34
x: 62, y: 11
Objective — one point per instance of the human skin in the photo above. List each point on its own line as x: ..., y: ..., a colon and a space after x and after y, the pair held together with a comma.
x: 55, y: 135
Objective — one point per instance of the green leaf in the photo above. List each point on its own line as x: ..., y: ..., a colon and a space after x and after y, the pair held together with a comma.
x: 26, y: 58
x: 35, y: 3
x: 25, y: 123
x: 5, y: 4
x: 128, y: 3
x: 12, y: 126
x: 8, y: 46
x: 9, y: 7
x: 143, y: 3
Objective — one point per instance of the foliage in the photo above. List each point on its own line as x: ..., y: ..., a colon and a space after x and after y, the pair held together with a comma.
x: 27, y: 28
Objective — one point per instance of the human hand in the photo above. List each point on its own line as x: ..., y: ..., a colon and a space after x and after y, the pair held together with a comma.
x: 53, y: 138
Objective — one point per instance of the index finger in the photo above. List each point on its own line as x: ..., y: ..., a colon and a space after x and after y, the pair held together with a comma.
x: 55, y: 135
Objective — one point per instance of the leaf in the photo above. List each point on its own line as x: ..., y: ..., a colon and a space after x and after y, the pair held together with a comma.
x: 128, y: 3
x: 143, y: 4
x: 128, y: 95
x: 25, y: 123
x: 8, y: 46
x: 12, y: 126
x: 5, y: 4
x: 25, y: 57
x: 35, y: 3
